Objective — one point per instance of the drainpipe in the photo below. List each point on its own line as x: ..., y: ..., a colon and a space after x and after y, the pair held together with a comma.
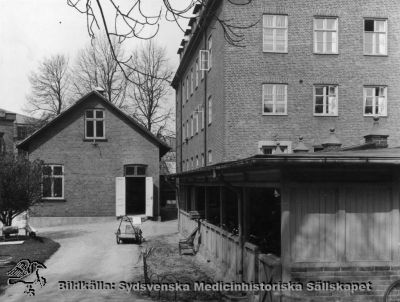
x: 205, y: 106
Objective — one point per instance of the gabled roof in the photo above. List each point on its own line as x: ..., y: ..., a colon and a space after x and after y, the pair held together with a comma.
x: 164, y: 148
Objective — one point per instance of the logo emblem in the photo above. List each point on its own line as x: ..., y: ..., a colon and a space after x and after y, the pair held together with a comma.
x: 27, y: 272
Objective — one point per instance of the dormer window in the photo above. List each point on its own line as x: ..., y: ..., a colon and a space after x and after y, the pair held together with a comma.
x: 94, y: 124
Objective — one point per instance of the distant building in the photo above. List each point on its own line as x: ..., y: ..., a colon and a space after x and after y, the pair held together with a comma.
x: 14, y: 127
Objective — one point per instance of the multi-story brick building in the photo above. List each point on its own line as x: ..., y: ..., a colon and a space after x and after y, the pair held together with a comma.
x: 306, y: 67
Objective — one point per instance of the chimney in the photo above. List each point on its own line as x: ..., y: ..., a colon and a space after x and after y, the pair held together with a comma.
x: 301, y: 147
x: 377, y: 135
x: 100, y: 90
x: 332, y: 143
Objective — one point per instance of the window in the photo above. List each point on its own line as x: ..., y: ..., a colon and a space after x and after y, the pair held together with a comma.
x: 135, y: 170
x: 326, y: 35
x: 191, y: 125
x: 53, y: 182
x: 204, y: 61
x: 94, y: 124
x: 275, y: 33
x: 191, y: 81
x: 187, y: 130
x: 187, y: 88
x: 22, y: 132
x: 197, y: 160
x: 183, y: 132
x: 375, y: 37
x: 325, y: 100
x: 271, y: 147
x: 196, y: 116
x: 209, y: 110
x: 210, y: 156
x: 202, y: 116
x: 274, y: 99
x: 202, y: 159
x: 183, y: 92
x: 375, y: 101
x: 197, y: 72
x: 209, y: 52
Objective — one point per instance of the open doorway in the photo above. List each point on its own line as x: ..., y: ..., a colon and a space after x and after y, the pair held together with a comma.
x: 135, y: 196
x: 265, y: 221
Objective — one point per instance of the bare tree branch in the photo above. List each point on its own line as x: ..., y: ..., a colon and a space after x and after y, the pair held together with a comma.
x: 95, y: 66
x: 152, y: 88
x: 49, y: 88
x: 133, y: 22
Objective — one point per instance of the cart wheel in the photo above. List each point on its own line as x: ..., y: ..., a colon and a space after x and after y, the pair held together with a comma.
x: 118, y: 240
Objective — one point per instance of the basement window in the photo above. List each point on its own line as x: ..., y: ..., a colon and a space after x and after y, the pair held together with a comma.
x: 94, y: 124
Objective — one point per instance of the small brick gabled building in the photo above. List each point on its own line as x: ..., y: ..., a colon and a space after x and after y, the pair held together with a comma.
x: 99, y: 162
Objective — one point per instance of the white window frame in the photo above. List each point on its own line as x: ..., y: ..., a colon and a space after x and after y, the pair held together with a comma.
x: 325, y: 30
x: 209, y: 43
x: 191, y: 82
x: 197, y: 72
x: 202, y: 160
x: 204, y: 61
x: 274, y: 99
x: 197, y: 119
x: 187, y: 129
x: 191, y: 126
x: 183, y: 132
x: 203, y: 115
x: 210, y: 105
x: 375, y: 101
x: 52, y: 176
x: 94, y: 119
x: 210, y: 159
x: 187, y: 88
x: 274, y: 29
x: 376, y: 33
x: 326, y: 100
x: 197, y: 161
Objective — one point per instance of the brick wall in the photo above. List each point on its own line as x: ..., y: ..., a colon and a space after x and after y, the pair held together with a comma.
x: 246, y: 69
x: 90, y: 171
x: 209, y: 86
x: 236, y: 79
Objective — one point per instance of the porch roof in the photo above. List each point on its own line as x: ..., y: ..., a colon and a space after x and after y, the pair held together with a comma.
x: 371, y: 157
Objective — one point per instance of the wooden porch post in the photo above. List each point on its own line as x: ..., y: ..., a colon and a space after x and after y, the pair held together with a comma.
x: 222, y: 206
x: 246, y: 213
x: 206, y: 203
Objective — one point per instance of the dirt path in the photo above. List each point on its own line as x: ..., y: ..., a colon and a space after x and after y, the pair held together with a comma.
x: 89, y: 252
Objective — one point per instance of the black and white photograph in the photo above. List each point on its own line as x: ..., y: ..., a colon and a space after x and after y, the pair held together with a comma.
x: 200, y: 150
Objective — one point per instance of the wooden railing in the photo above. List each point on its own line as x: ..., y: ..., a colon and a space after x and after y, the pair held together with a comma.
x: 223, y: 249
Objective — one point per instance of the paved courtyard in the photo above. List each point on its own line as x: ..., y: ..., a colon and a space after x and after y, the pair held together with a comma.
x: 89, y: 252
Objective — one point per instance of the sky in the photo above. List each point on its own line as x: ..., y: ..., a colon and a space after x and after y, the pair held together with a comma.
x: 31, y: 30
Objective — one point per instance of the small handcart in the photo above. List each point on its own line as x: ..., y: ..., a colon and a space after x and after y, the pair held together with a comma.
x: 129, y: 230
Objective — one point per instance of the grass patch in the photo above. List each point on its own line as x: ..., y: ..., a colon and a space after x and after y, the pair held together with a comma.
x: 167, y: 266
x: 35, y: 249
